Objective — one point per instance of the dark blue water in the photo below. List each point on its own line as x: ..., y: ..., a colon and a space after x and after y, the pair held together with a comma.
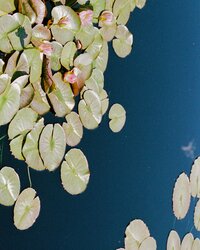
x: 133, y: 172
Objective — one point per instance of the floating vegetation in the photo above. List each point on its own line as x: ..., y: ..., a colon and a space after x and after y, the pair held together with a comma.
x: 53, y: 60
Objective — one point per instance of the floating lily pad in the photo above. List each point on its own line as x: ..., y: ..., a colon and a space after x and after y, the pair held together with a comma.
x: 68, y: 53
x: 136, y: 232
x: 35, y: 59
x: 9, y: 186
x: 22, y: 123
x: 117, y: 114
x: 16, y: 147
x: 27, y: 95
x: 196, y: 244
x: 149, y: 243
x: 27, y: 209
x: 73, y: 129
x: 75, y: 172
x: 56, y: 56
x: 4, y: 82
x: 197, y: 216
x: 173, y: 241
x: 65, y: 24
x: 9, y: 103
x: 123, y: 43
x: 86, y: 35
x: 195, y: 178
x: 102, y: 59
x: 52, y: 146
x: 39, y: 102
x: 7, y: 6
x: 90, y: 110
x: 181, y: 196
x: 61, y: 98
x: 187, y: 242
x: 30, y: 148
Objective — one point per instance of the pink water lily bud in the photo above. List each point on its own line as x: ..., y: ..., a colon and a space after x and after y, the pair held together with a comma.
x: 46, y: 48
x: 86, y: 17
x: 106, y: 18
x: 72, y: 75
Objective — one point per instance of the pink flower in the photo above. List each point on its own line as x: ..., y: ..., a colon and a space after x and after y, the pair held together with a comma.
x: 86, y: 17
x: 72, y: 75
x: 65, y: 22
x: 106, y: 18
x: 46, y: 48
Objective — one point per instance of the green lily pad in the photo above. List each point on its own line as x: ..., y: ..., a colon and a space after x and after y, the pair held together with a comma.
x: 27, y: 209
x: 35, y: 59
x: 117, y: 114
x: 9, y: 103
x: 30, y: 148
x: 73, y: 129
x: 22, y: 123
x: 39, y: 102
x: 9, y: 186
x: 90, y: 110
x: 68, y: 53
x: 75, y: 172
x: 61, y: 98
x: 52, y: 146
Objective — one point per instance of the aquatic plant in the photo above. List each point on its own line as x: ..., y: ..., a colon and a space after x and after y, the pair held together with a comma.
x: 137, y: 233
x: 49, y: 56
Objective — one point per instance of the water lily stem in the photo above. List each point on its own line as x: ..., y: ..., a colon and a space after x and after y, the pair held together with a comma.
x: 29, y: 176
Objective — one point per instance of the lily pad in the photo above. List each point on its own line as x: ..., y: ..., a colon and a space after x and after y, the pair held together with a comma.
x: 90, y: 110
x: 187, y: 242
x: 73, y: 129
x: 195, y: 178
x: 122, y: 45
x: 30, y: 148
x: 9, y: 186
x: 27, y: 209
x: 181, y: 196
x: 117, y: 114
x: 52, y: 146
x: 16, y: 147
x: 61, y: 98
x: 173, y: 241
x: 68, y: 53
x: 22, y: 123
x: 9, y: 103
x: 75, y: 172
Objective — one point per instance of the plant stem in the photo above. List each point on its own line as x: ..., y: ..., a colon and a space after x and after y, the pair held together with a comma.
x: 29, y: 176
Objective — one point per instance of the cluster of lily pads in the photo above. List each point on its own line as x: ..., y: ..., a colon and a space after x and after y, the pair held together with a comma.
x: 137, y: 233
x: 53, y: 55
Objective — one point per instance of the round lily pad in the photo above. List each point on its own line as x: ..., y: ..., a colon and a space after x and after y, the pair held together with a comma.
x: 75, y: 172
